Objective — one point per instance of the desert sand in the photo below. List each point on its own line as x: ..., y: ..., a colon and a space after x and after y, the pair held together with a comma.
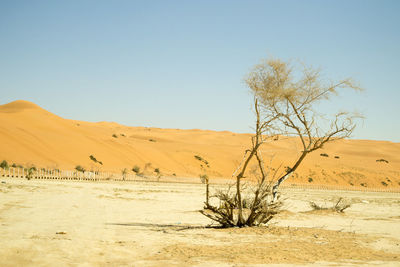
x: 31, y: 135
x: 79, y: 223
x: 149, y: 223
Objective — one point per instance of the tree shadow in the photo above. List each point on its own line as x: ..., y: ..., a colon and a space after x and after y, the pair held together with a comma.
x: 160, y: 227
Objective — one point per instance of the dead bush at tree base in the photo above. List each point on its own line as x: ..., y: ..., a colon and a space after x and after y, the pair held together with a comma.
x: 257, y: 210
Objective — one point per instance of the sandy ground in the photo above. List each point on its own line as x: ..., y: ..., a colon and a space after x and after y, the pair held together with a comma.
x: 68, y: 223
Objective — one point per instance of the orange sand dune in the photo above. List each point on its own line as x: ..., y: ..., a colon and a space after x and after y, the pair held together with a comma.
x: 32, y: 135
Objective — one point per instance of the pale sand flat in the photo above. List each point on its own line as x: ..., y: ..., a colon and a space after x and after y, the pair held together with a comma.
x: 68, y: 223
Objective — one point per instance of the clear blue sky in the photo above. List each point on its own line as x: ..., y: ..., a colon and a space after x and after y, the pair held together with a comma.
x: 180, y: 64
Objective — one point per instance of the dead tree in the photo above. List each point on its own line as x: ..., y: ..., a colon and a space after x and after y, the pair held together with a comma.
x: 259, y: 206
x: 283, y: 105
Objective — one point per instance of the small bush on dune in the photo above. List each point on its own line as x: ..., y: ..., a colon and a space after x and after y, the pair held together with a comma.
x: 202, y: 161
x: 79, y: 168
x: 4, y: 165
x: 136, y: 169
x: 30, y: 172
x: 158, y: 173
x: 95, y: 160
x: 324, y: 155
x: 382, y: 160
x: 33, y: 168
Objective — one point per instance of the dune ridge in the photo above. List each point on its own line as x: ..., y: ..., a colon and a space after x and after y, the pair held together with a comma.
x: 32, y: 135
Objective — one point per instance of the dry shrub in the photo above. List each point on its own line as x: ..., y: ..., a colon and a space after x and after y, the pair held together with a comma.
x: 340, y: 206
x: 258, y: 207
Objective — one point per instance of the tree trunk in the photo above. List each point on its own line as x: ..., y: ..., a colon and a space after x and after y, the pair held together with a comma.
x: 207, y: 193
x: 239, y: 199
x: 287, y: 175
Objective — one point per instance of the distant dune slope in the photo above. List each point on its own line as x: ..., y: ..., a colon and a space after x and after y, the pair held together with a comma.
x: 32, y: 135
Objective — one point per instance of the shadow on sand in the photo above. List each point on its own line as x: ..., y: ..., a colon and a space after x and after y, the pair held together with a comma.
x: 158, y: 227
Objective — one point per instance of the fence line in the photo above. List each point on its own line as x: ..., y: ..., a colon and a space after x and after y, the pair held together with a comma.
x: 66, y: 175
x: 110, y: 176
x: 339, y: 188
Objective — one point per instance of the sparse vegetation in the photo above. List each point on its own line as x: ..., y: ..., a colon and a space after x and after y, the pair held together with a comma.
x: 384, y: 183
x: 324, y: 155
x: 340, y: 206
x: 337, y: 157
x: 310, y: 180
x: 30, y: 172
x: 33, y: 168
x: 152, y: 140
x: 158, y: 173
x: 115, y: 136
x: 136, y: 169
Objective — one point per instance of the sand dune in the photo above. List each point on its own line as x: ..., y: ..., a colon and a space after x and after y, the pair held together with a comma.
x: 32, y: 135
